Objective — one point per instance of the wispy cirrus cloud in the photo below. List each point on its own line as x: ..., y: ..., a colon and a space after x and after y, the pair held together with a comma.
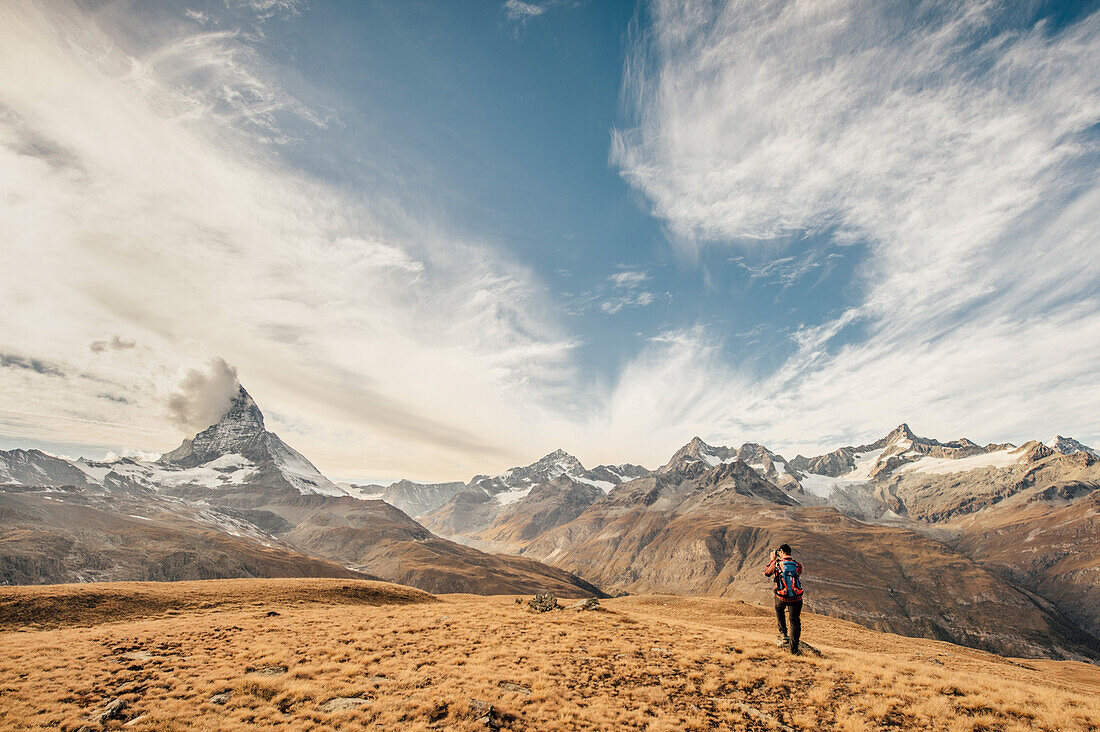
x: 623, y: 288
x: 519, y: 11
x: 957, y: 142
x: 627, y: 290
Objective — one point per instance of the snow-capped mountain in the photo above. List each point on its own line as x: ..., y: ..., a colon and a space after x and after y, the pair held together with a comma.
x: 899, y: 453
x: 238, y: 447
x: 34, y: 467
x: 703, y: 523
x: 232, y: 501
x: 768, y: 464
x: 482, y: 500
x: 1070, y: 446
x: 235, y: 453
x: 515, y: 483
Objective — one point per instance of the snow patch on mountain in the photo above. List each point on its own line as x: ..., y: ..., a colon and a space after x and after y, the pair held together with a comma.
x: 603, y: 485
x: 944, y: 466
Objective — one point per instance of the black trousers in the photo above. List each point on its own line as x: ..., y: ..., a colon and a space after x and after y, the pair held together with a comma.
x: 795, y: 609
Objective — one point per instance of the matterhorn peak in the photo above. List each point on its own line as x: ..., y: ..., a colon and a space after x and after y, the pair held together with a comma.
x: 243, y: 409
x: 239, y: 431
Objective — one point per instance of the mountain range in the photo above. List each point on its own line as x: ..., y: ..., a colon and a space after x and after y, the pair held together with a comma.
x: 992, y: 546
x: 233, y: 501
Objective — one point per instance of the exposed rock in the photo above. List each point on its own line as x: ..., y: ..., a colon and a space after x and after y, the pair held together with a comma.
x: 545, y: 507
x: 490, y: 716
x: 543, y: 602
x: 112, y: 711
x: 759, y: 715
x: 589, y: 603
x: 341, y: 703
x: 221, y: 699
x: 417, y: 499
x: 266, y: 670
x: 518, y: 688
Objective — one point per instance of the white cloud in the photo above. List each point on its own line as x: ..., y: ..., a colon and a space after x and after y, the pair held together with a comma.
x: 625, y: 291
x: 137, y: 197
x: 959, y: 149
x: 520, y: 12
x: 628, y: 278
x: 203, y: 396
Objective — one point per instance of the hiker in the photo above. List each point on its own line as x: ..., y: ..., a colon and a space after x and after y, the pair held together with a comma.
x: 788, y: 594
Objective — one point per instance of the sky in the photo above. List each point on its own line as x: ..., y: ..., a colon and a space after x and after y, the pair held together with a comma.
x: 436, y: 239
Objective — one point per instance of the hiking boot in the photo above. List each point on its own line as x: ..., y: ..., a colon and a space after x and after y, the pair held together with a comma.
x: 782, y: 640
x: 795, y: 651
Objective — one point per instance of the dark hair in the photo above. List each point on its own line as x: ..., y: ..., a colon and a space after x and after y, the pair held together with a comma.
x: 785, y: 548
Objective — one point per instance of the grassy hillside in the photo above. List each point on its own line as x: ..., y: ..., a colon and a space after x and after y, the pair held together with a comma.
x: 327, y: 654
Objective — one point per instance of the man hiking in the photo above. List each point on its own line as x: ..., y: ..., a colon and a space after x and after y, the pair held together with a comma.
x: 788, y: 594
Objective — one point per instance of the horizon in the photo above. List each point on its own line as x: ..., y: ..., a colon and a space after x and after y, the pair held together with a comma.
x: 385, y: 482
x: 436, y: 240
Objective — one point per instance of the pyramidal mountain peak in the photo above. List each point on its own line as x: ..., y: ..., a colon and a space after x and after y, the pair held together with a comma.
x: 240, y: 430
x: 239, y: 439
x: 901, y: 432
x: 696, y: 450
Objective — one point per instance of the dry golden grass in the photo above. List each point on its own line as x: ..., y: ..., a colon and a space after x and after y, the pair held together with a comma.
x: 652, y: 663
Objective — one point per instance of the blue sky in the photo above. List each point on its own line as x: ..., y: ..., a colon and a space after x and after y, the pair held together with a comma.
x: 435, y: 239
x: 501, y: 127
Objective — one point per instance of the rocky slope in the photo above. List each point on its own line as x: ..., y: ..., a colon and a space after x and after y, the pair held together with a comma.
x: 79, y: 535
x: 547, y: 506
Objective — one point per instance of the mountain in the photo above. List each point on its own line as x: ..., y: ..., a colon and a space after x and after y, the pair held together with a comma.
x: 240, y: 448
x: 546, y: 506
x: 767, y: 463
x: 70, y: 534
x: 417, y: 499
x: 702, y: 526
x: 232, y: 501
x: 487, y: 503
x: 34, y: 467
x: 1070, y: 446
